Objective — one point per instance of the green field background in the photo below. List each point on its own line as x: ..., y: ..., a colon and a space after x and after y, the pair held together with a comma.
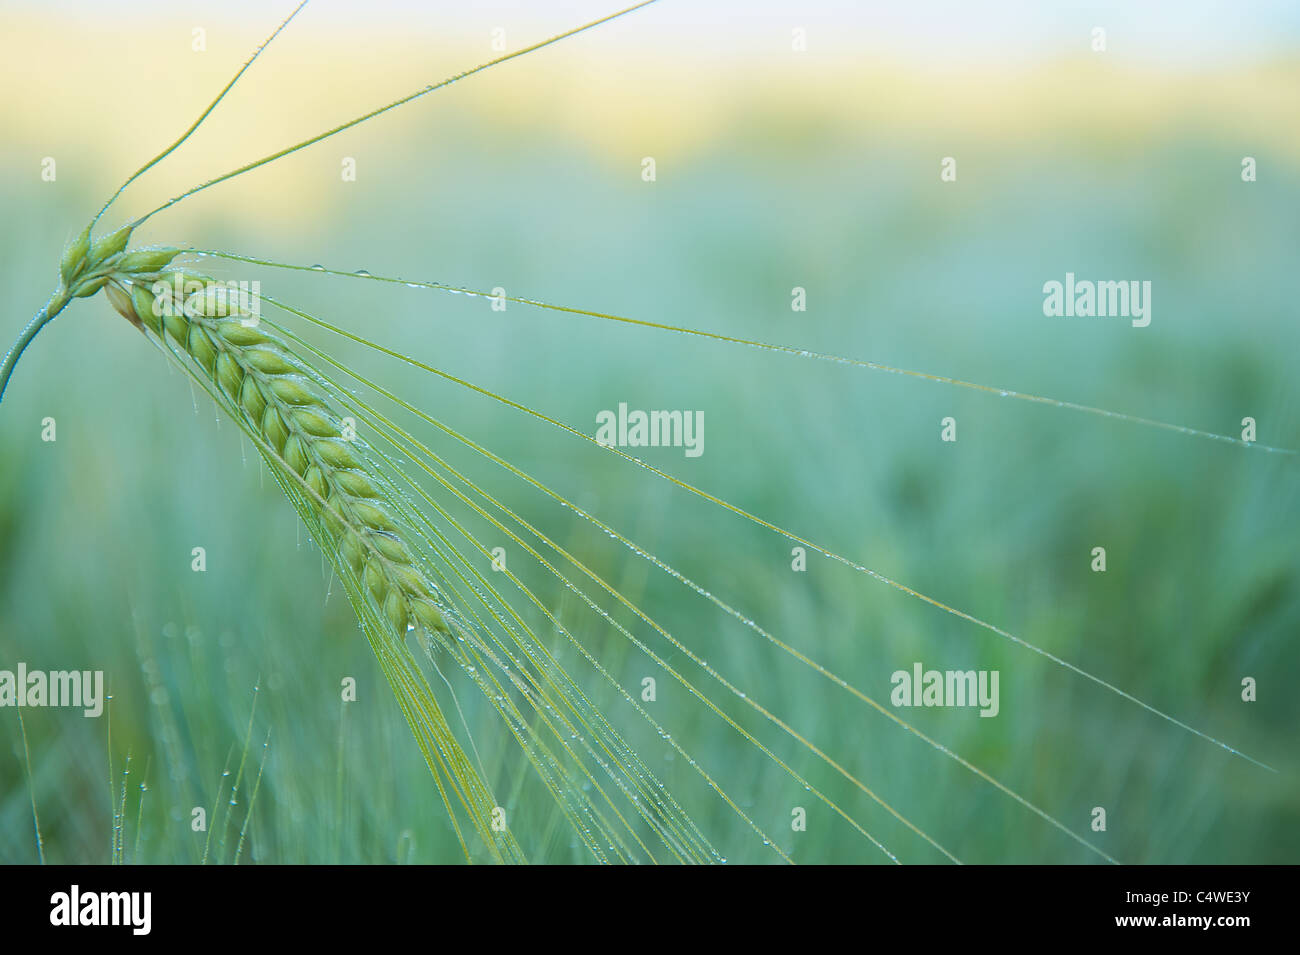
x: 1069, y: 168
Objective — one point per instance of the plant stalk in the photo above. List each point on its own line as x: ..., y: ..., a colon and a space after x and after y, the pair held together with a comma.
x: 41, y: 319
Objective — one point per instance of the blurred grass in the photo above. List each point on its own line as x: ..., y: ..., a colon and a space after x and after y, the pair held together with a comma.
x: 1201, y: 590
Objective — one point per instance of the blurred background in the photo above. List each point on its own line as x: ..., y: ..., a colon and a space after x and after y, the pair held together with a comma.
x: 776, y: 168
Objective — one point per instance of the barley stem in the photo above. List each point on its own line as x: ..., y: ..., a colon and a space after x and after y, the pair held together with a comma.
x: 33, y: 328
x: 31, y: 789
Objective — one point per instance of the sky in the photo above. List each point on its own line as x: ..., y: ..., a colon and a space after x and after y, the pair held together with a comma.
x: 934, y: 33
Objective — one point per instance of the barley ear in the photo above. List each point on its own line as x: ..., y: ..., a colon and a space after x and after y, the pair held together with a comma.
x: 146, y: 260
x: 110, y: 244
x: 276, y: 401
x: 74, y: 257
